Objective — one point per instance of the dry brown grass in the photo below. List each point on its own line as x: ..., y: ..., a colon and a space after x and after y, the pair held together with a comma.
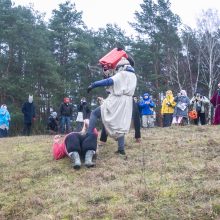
x: 173, y: 174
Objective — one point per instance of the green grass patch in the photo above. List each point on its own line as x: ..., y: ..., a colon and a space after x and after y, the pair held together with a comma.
x: 173, y: 174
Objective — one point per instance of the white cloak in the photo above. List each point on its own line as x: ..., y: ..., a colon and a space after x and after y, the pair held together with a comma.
x: 116, y: 110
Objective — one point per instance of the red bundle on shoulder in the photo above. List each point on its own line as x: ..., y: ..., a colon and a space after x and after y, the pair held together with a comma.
x: 111, y: 59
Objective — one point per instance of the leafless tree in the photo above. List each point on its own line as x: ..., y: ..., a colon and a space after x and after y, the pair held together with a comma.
x: 208, y: 30
x: 210, y: 43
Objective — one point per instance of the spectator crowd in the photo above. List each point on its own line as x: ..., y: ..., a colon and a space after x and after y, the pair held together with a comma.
x: 174, y: 110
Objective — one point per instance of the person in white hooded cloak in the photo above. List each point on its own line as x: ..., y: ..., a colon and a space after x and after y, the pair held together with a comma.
x: 116, y: 110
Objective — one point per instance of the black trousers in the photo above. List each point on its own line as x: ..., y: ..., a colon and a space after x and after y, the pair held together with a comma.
x: 201, y: 118
x: 3, y: 133
x: 137, y: 127
x: 27, y: 129
x: 104, y: 135
x: 167, y: 119
x: 80, y: 143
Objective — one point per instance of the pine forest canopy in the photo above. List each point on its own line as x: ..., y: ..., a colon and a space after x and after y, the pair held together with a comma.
x: 59, y: 58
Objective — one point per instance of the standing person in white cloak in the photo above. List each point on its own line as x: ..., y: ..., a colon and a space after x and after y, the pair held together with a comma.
x: 116, y: 110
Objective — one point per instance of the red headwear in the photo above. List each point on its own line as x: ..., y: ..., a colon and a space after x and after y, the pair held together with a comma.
x: 110, y: 60
x: 66, y: 100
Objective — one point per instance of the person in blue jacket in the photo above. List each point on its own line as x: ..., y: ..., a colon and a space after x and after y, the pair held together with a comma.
x: 146, y: 105
x: 4, y: 121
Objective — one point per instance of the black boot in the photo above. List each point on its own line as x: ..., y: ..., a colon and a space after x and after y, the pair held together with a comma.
x: 122, y: 152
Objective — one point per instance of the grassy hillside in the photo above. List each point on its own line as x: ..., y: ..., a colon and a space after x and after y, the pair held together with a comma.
x: 173, y: 174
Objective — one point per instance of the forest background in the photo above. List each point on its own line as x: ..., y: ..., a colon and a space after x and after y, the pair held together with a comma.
x: 59, y: 57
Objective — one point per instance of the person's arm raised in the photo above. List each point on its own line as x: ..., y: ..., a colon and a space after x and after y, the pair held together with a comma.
x: 104, y: 82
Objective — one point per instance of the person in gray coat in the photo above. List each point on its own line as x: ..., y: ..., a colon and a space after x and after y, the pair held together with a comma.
x: 180, y: 115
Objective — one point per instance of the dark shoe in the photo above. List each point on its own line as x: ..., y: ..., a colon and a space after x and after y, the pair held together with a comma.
x: 75, y: 166
x: 122, y: 152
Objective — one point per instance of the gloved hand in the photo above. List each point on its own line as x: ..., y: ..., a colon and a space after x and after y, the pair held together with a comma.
x: 89, y: 88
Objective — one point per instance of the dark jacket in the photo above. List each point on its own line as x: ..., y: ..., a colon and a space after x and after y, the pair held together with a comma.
x: 83, y: 107
x: 28, y: 109
x: 52, y: 124
x: 135, y: 110
x: 66, y: 110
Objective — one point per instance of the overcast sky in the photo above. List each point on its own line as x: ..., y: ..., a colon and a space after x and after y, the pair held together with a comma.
x: 97, y: 13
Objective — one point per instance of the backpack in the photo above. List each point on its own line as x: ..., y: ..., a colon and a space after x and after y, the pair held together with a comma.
x: 193, y: 114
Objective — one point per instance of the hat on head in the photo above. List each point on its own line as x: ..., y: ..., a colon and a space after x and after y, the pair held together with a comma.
x: 54, y: 114
x: 4, y: 106
x: 66, y: 100
x: 169, y: 92
x: 83, y: 99
x: 183, y: 92
x: 146, y: 94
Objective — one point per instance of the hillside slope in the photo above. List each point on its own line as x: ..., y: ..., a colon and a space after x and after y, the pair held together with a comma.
x: 173, y: 174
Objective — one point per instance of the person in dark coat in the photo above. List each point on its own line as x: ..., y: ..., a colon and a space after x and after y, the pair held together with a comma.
x: 136, y: 120
x: 28, y: 109
x: 83, y: 113
x: 215, y: 100
x: 66, y: 111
